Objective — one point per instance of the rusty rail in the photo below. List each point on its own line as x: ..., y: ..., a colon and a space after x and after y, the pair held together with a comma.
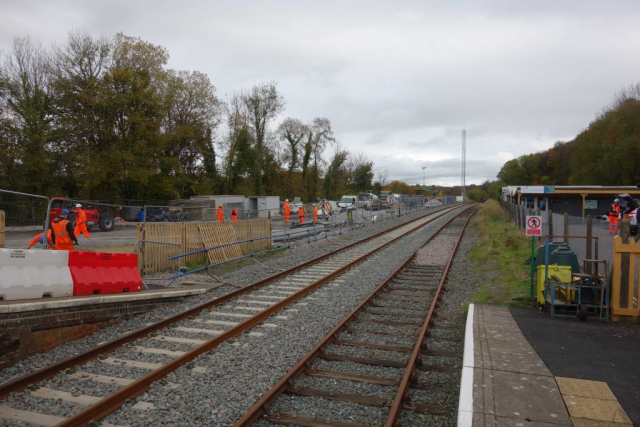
x: 115, y: 401
x: 262, y: 406
x: 47, y: 372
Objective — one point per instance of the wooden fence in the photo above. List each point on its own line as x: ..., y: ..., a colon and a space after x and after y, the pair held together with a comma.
x: 164, y: 240
x: 624, y: 280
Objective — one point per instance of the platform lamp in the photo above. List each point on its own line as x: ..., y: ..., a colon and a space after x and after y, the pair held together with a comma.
x: 423, y: 181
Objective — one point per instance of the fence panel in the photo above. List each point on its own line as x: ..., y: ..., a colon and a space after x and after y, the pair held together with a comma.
x: 159, y: 241
x: 23, y: 210
x: 626, y: 262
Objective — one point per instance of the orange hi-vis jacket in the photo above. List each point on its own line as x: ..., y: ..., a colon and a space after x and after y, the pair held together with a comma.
x: 81, y: 217
x: 36, y: 239
x: 234, y: 215
x: 220, y: 213
x: 63, y: 241
x: 614, y: 213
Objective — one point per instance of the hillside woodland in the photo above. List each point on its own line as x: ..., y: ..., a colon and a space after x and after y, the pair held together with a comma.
x: 606, y: 153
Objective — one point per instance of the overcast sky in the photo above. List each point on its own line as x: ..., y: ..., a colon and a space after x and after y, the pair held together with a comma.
x: 399, y: 80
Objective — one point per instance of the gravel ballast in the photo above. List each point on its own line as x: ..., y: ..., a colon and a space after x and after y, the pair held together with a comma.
x: 239, y: 372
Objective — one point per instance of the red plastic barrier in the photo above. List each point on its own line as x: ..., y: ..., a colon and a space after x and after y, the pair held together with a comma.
x: 103, y: 273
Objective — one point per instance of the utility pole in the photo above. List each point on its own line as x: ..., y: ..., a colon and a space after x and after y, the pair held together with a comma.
x: 464, y: 164
x: 423, y: 181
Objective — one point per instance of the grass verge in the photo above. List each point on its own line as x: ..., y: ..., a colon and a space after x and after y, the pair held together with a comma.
x: 499, y: 257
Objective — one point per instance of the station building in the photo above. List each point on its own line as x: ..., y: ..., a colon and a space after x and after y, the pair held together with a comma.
x: 576, y: 200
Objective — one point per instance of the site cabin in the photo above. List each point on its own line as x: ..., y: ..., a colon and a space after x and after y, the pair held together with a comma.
x: 575, y: 200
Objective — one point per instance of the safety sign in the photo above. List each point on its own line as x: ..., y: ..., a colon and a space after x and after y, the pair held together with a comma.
x: 391, y: 199
x: 534, y: 225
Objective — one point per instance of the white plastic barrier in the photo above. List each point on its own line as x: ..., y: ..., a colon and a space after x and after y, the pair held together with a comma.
x: 26, y: 274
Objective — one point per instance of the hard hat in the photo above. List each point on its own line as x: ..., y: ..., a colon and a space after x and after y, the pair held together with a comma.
x: 220, y: 206
x: 617, y: 200
x: 287, y: 200
x: 64, y: 211
x: 78, y: 205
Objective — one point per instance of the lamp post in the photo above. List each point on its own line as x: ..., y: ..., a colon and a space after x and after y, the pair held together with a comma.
x: 423, y: 181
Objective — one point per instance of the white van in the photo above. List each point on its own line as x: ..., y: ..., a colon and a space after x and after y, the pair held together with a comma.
x: 348, y: 203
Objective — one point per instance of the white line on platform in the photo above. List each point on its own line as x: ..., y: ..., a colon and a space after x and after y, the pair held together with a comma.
x: 465, y: 403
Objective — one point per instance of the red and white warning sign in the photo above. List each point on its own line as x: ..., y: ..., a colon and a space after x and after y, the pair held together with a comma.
x: 534, y: 225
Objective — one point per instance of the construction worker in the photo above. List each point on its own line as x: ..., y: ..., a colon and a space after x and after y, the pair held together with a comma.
x: 614, y: 214
x: 234, y: 215
x: 220, y: 213
x: 62, y: 236
x: 40, y: 239
x: 301, y: 214
x: 315, y: 213
x: 286, y: 210
x: 81, y: 222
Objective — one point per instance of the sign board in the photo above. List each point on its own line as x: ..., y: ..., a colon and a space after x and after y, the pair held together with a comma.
x: 391, y: 199
x: 591, y: 204
x: 537, y: 189
x: 459, y: 199
x: 534, y: 225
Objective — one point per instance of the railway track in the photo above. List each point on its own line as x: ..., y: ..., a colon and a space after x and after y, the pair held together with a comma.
x: 371, y: 362
x: 149, y: 354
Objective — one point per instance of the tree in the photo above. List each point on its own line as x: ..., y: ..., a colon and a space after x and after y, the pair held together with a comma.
x: 336, y: 175
x: 292, y: 131
x: 382, y: 175
x: 27, y: 123
x: 319, y: 135
x: 261, y: 104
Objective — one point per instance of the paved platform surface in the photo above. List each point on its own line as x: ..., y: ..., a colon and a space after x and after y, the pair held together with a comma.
x: 509, y: 384
x: 591, y: 350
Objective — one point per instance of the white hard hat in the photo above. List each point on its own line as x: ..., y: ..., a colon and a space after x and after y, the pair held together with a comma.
x: 616, y: 200
x: 287, y: 200
x: 78, y: 205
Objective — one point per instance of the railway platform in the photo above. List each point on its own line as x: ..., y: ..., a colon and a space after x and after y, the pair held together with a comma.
x: 511, y: 379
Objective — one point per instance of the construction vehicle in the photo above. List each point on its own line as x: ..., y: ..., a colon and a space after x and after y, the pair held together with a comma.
x: 103, y: 219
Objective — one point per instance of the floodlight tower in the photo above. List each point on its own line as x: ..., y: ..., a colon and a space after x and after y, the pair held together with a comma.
x: 464, y: 163
x: 423, y: 181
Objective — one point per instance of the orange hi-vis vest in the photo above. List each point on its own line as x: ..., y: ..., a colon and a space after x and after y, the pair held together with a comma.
x: 63, y: 241
x: 81, y: 217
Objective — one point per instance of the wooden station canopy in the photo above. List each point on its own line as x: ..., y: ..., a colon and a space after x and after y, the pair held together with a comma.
x: 516, y: 192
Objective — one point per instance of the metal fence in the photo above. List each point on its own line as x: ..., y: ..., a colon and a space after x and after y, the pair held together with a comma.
x: 22, y: 209
x: 553, y: 224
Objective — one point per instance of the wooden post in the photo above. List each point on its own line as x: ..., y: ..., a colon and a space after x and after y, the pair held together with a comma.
x: 566, y: 227
x: 625, y: 232
x: 589, y: 239
x: 2, y: 219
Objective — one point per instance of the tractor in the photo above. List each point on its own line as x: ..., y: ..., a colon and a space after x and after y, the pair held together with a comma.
x: 104, y: 220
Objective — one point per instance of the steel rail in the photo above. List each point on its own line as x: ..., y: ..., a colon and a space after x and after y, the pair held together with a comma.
x: 111, y: 403
x: 50, y: 371
x: 262, y: 406
x: 402, y: 393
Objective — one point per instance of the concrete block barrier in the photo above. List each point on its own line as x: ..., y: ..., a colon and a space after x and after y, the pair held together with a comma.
x: 27, y: 274
x: 104, y: 273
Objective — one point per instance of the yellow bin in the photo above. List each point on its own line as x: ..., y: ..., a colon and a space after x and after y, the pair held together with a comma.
x: 557, y: 273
